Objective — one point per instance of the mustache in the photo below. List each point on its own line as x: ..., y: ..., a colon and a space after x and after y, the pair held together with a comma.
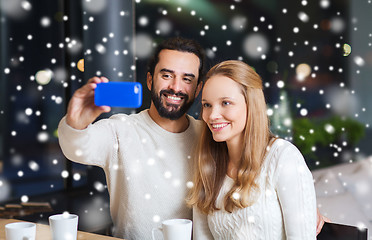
x: 172, y: 92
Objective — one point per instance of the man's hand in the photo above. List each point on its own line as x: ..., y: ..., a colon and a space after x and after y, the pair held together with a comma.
x: 81, y: 109
x: 320, y: 221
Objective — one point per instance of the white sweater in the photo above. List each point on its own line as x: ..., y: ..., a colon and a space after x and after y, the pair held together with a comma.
x: 285, y: 207
x: 146, y: 167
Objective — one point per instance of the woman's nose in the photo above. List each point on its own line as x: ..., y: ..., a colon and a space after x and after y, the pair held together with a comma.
x: 215, y: 113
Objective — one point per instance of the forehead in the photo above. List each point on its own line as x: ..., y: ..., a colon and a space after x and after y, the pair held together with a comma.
x: 220, y: 86
x: 179, y: 62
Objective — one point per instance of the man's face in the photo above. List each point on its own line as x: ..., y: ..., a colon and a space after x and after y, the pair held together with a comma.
x: 174, y: 85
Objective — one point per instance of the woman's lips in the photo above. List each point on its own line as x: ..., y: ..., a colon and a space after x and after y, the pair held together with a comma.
x: 218, y: 126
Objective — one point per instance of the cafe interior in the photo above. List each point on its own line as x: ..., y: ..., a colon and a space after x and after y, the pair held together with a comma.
x: 315, y: 59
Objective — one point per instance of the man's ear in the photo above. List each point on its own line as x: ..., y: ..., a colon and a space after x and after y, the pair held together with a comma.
x: 149, y: 80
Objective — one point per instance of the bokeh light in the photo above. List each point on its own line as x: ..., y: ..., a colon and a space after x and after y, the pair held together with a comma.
x: 143, y: 21
x: 303, y: 70
x: 24, y: 198
x: 34, y: 166
x: 80, y: 65
x: 239, y: 23
x: 325, y: 4
x: 343, y: 102
x: 100, y: 48
x: 77, y: 176
x: 94, y: 6
x: 337, y: 25
x: 359, y: 61
x: 42, y: 137
x: 143, y: 44
x: 64, y: 174
x: 303, y: 17
x: 26, y: 5
x: 4, y: 189
x: 15, y: 9
x: 43, y: 77
x: 59, y: 75
x: 255, y: 45
x: 99, y: 186
x: 45, y: 22
x: 347, y: 49
x: 164, y: 26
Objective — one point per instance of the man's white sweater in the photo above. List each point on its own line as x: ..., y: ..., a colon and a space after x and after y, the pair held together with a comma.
x: 147, y: 168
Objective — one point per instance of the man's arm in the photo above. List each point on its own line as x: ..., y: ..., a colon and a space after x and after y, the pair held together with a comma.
x: 80, y: 143
x: 320, y: 221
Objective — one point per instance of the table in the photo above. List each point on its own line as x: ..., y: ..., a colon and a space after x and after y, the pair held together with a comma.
x: 43, y: 232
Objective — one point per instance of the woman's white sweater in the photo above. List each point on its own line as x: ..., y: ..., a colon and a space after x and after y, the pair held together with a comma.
x: 285, y: 207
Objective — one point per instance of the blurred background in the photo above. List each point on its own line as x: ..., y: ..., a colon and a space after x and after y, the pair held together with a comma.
x: 315, y: 58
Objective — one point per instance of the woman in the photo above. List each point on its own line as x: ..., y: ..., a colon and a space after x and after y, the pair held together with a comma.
x: 247, y: 184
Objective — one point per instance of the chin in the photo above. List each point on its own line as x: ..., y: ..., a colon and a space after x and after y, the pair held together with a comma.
x: 216, y: 139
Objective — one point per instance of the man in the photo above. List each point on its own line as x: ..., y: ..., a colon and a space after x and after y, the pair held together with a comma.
x: 145, y: 156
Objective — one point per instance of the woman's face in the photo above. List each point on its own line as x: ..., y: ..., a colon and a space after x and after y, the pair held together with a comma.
x: 224, y: 109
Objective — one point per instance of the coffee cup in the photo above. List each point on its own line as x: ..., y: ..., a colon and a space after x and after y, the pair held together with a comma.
x: 64, y: 226
x: 175, y: 229
x: 20, y: 231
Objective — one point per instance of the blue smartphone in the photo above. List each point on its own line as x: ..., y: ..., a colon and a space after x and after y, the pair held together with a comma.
x: 118, y: 94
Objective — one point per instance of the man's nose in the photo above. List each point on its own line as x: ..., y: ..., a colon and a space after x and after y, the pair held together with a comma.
x: 176, y: 85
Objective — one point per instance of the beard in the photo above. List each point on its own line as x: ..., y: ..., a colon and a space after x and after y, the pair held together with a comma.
x: 167, y: 110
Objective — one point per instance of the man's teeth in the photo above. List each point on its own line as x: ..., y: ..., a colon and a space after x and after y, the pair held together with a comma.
x: 220, y: 125
x: 174, y: 98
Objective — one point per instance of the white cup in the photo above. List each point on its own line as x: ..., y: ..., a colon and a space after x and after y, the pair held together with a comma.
x: 20, y: 231
x: 64, y: 226
x: 175, y: 229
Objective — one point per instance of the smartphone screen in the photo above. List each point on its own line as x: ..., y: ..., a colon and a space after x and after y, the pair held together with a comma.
x: 118, y: 94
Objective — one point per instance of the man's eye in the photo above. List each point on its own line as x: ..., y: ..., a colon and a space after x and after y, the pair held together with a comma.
x: 187, y: 80
x: 167, y: 76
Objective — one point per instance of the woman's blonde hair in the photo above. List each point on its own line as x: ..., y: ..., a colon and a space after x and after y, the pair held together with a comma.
x: 211, y: 157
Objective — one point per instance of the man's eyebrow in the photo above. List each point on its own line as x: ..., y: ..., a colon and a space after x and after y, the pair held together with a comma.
x: 166, y: 70
x: 171, y: 71
x: 190, y: 75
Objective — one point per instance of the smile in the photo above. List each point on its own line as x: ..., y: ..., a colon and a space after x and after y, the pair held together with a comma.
x: 174, y: 98
x: 218, y: 126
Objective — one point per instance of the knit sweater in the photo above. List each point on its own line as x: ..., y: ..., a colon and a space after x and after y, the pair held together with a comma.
x: 285, y: 207
x: 147, y: 168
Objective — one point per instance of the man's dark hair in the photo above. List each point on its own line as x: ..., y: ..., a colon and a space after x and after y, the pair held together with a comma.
x: 182, y: 45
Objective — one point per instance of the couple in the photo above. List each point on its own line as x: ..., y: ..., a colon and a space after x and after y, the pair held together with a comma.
x: 241, y: 182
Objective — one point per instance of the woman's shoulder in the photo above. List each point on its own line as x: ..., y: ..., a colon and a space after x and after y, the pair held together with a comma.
x: 281, y: 151
x: 281, y: 145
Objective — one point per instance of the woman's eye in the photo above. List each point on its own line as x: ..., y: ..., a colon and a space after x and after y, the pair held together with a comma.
x: 225, y: 103
x: 205, y: 105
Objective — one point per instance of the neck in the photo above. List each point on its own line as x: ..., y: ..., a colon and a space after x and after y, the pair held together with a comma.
x: 235, y: 155
x: 174, y: 126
